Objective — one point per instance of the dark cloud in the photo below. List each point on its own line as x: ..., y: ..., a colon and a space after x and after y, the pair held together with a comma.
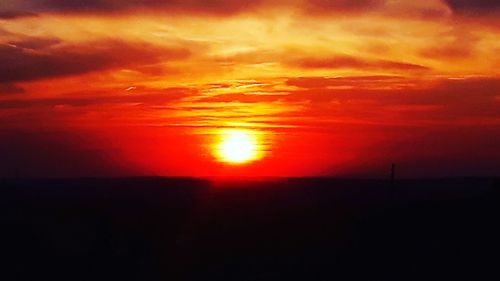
x: 446, y: 90
x: 489, y: 87
x: 6, y: 14
x: 39, y: 58
x: 338, y: 62
x: 343, y: 5
x: 139, y: 96
x: 35, y: 43
x: 9, y: 88
x: 474, y: 6
x: 215, y: 7
x: 390, y: 8
x: 224, y: 7
x: 107, y: 6
x: 472, y: 99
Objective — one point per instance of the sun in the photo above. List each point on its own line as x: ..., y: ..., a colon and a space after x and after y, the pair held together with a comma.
x: 237, y: 147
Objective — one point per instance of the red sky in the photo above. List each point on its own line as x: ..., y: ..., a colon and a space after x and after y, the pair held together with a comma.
x: 330, y: 88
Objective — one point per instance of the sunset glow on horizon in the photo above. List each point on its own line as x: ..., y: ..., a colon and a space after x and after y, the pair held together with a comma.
x: 260, y: 88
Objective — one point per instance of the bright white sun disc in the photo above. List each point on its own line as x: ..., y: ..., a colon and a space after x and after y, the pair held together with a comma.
x: 237, y: 147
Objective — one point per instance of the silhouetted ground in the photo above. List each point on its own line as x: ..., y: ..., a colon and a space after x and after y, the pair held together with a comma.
x: 295, y: 229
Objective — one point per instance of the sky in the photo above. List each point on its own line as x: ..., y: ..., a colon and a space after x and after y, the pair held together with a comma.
x: 311, y: 88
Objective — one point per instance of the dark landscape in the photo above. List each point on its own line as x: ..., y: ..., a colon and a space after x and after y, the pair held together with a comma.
x: 272, y: 229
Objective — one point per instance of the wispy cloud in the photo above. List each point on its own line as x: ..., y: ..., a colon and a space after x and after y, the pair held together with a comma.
x: 354, y: 63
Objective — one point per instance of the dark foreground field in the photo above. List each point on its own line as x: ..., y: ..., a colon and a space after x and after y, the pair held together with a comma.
x: 300, y: 229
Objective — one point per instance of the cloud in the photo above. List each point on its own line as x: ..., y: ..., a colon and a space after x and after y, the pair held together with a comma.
x: 423, y: 8
x: 420, y: 91
x: 8, y: 15
x: 468, y: 6
x: 463, y: 98
x: 448, y: 52
x: 44, y: 58
x: 109, y: 6
x: 343, y: 5
x: 243, y: 98
x: 8, y: 88
x: 139, y: 96
x: 355, y: 97
x: 471, y: 99
x: 371, y: 82
x: 338, y: 62
x: 35, y: 43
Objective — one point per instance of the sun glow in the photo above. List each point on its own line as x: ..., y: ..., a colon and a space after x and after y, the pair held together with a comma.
x: 238, y: 147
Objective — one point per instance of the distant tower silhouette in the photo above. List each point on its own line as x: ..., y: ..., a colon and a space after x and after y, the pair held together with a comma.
x: 393, y: 172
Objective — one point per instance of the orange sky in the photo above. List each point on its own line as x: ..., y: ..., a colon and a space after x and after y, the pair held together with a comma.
x: 106, y: 87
